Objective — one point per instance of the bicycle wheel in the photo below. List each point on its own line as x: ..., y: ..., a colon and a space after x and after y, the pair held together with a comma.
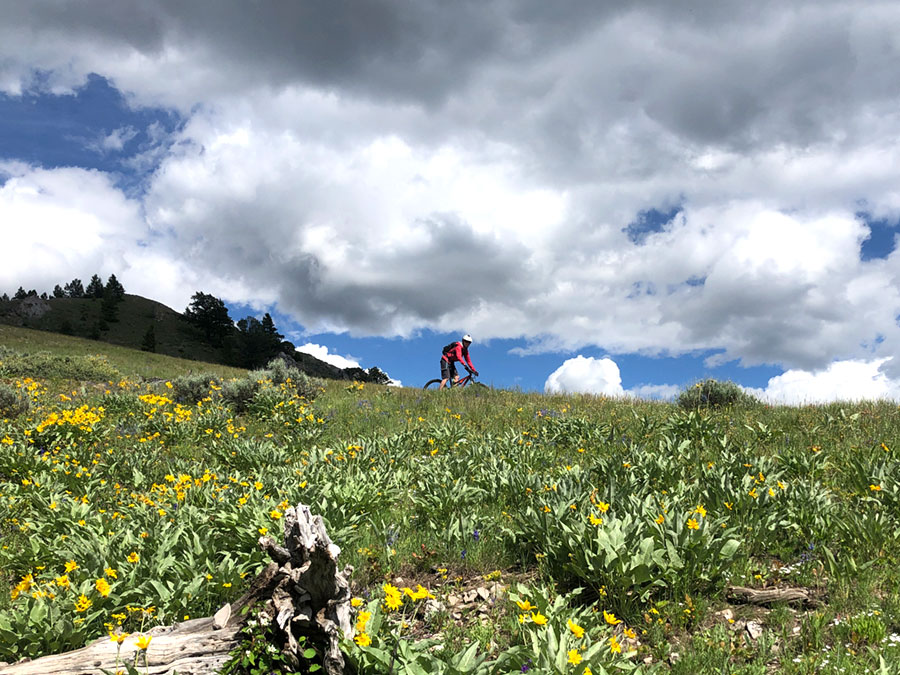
x: 432, y: 384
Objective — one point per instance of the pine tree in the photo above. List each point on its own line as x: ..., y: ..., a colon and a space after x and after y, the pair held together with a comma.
x: 74, y: 289
x: 58, y: 292
x: 114, y: 288
x: 20, y: 294
x: 4, y: 297
x: 268, y: 325
x: 95, y: 288
x: 210, y: 314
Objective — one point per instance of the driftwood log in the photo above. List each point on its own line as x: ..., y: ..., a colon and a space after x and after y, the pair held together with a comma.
x: 769, y: 596
x: 301, y: 594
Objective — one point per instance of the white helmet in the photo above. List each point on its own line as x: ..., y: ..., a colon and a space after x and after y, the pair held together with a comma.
x: 466, y: 338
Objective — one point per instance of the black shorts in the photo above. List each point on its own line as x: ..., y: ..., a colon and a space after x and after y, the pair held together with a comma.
x: 448, y: 370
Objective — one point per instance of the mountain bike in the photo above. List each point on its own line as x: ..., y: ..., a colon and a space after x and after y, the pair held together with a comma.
x: 461, y: 382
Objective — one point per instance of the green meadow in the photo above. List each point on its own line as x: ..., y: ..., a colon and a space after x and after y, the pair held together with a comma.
x: 490, y: 531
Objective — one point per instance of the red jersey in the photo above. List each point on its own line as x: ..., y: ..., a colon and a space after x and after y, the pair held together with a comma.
x: 458, y: 354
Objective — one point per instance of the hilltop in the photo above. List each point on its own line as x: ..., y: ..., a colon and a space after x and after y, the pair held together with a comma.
x: 173, y: 333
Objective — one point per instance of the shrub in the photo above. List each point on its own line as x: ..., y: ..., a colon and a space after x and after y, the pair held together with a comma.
x: 712, y: 393
x: 239, y: 393
x: 279, y: 372
x: 13, y: 402
x: 192, y: 388
x: 308, y: 387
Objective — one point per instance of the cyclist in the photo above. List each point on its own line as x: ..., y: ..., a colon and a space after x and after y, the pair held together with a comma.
x: 456, y: 351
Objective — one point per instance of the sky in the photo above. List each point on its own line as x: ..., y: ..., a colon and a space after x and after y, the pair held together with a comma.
x: 617, y: 198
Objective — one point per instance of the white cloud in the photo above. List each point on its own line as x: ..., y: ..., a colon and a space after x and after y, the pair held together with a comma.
x: 321, y: 352
x: 116, y: 139
x: 840, y: 381
x: 63, y: 223
x: 586, y: 375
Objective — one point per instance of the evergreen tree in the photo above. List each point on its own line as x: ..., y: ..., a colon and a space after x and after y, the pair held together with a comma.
x: 74, y: 289
x: 4, y: 297
x: 95, y: 288
x: 44, y: 296
x: 210, y: 315
x: 269, y: 326
x: 58, y: 292
x: 114, y: 288
x: 377, y: 376
x: 31, y: 292
x: 148, y: 344
x: 20, y: 294
x: 255, y: 345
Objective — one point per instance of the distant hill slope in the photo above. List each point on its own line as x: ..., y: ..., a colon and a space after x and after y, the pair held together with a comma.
x: 129, y: 362
x: 174, y: 334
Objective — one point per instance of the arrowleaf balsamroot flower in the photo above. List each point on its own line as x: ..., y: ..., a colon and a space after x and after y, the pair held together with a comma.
x: 577, y: 630
x: 693, y: 524
x: 393, y: 598
x: 538, y: 618
x: 103, y: 587
x: 84, y: 603
x: 143, y: 642
x: 574, y: 657
x: 611, y: 618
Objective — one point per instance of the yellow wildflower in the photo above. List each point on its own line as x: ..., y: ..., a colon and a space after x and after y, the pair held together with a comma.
x: 103, y: 587
x: 577, y: 630
x: 574, y: 657
x: 611, y: 618
x: 538, y: 618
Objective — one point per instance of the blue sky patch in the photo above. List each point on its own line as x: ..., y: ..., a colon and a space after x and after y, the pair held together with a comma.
x: 94, y: 128
x: 649, y: 222
x: 880, y: 243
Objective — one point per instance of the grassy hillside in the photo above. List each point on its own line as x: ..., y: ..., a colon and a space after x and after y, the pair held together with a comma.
x: 126, y: 361
x: 557, y: 534
x: 81, y: 317
x: 174, y: 334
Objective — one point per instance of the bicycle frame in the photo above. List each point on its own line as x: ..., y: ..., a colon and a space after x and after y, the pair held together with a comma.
x: 461, y: 382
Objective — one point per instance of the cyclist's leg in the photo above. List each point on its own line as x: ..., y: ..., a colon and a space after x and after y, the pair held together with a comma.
x: 454, y: 375
x: 445, y: 372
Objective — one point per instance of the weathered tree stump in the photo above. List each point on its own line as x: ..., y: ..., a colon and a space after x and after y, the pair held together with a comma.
x: 301, y: 593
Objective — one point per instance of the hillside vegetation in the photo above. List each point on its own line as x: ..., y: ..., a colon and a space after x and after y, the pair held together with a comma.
x: 556, y: 534
x: 142, y: 324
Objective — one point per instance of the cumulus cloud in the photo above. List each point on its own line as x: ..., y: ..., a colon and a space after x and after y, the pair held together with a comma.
x: 586, y: 375
x: 61, y: 223
x: 402, y: 166
x: 852, y: 380
x: 321, y: 352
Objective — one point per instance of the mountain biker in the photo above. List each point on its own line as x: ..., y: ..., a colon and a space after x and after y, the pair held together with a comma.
x: 456, y: 351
